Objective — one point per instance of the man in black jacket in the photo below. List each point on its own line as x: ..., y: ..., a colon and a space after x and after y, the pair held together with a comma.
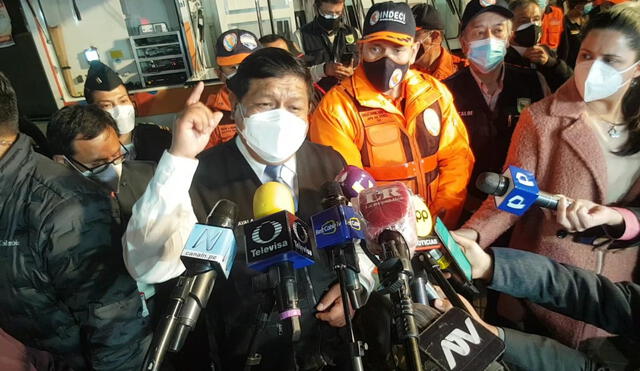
x: 329, y: 44
x: 271, y: 93
x: 525, y: 50
x: 85, y: 138
x: 63, y: 288
x: 490, y: 94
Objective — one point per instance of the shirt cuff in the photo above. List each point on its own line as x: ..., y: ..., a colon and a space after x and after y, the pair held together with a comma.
x: 631, y: 224
x: 176, y: 172
x: 317, y: 72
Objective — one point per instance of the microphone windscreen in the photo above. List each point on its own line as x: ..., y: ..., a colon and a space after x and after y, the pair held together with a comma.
x: 492, y: 184
x: 389, y: 207
x: 224, y: 214
x: 272, y: 197
x: 354, y: 180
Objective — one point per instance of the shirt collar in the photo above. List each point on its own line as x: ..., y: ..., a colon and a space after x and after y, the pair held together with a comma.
x: 483, y: 86
x: 288, y: 171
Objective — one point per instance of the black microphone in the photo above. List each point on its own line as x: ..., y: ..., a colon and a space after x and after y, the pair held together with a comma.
x: 455, y: 341
x: 278, y: 244
x: 516, y: 191
x: 337, y: 229
x: 396, y: 275
x: 210, y: 250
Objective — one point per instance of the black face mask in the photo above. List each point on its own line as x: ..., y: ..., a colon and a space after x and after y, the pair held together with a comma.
x: 328, y: 24
x: 528, y: 37
x: 384, y: 74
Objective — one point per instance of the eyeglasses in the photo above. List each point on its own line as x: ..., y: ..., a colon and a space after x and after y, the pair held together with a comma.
x: 102, y: 167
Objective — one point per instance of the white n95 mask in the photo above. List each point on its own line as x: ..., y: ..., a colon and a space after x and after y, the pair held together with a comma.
x: 274, y: 135
x: 125, y: 117
x: 599, y: 80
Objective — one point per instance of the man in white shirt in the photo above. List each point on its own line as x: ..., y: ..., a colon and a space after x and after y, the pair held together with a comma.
x: 271, y: 94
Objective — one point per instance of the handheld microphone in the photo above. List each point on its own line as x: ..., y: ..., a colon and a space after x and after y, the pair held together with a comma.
x: 424, y: 226
x: 278, y: 244
x: 210, y: 250
x: 515, y: 191
x: 337, y: 229
x: 455, y: 341
x: 354, y: 180
x: 388, y: 207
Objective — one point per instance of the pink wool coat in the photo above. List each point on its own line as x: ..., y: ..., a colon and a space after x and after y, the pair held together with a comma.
x: 554, y: 141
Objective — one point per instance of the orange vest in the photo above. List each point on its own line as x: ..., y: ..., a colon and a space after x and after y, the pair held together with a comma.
x: 552, y: 27
x: 407, y: 143
x: 227, y: 128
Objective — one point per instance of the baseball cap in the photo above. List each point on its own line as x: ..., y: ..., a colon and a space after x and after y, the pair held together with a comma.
x: 477, y: 7
x: 427, y: 17
x: 233, y: 46
x: 389, y: 21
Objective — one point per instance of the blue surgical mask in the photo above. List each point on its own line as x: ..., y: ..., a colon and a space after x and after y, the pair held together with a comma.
x: 543, y: 4
x: 487, y: 54
x: 588, y: 7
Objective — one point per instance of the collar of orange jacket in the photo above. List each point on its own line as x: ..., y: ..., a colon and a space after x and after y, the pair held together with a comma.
x: 411, y: 87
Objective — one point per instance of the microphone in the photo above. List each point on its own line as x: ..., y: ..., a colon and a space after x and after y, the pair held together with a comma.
x: 391, y: 222
x: 456, y: 341
x: 388, y: 207
x: 424, y: 226
x: 396, y: 275
x: 354, y: 180
x: 515, y: 191
x: 337, y: 229
x: 210, y: 250
x: 278, y: 244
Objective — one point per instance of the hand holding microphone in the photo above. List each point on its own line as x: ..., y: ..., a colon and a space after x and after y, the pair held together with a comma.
x: 580, y: 215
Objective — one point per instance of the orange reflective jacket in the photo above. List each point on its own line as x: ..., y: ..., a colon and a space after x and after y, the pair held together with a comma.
x: 446, y: 65
x: 552, y: 27
x: 227, y: 128
x: 421, y: 141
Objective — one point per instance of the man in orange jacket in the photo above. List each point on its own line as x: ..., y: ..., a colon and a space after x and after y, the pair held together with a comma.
x: 552, y: 25
x: 232, y: 47
x: 398, y: 124
x: 432, y: 57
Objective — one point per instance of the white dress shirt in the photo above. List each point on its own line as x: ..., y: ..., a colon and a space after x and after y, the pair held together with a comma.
x: 163, y: 218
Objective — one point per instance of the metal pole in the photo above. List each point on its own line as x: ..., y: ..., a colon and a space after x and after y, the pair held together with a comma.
x: 257, y: 2
x: 273, y: 29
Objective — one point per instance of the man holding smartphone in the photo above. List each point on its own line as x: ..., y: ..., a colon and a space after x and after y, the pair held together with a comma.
x: 329, y: 45
x: 397, y: 123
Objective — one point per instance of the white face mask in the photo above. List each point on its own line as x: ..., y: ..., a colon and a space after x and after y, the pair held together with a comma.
x: 599, y: 80
x: 125, y: 117
x: 273, y: 135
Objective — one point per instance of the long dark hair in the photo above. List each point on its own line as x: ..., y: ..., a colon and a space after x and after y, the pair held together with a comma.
x: 624, y: 18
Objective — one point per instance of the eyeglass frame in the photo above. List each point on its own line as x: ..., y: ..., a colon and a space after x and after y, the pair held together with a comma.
x: 116, y: 161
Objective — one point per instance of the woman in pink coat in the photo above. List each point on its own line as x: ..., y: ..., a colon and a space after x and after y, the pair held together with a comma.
x: 582, y: 142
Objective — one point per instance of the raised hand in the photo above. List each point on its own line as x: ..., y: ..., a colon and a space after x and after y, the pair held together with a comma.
x: 194, y: 126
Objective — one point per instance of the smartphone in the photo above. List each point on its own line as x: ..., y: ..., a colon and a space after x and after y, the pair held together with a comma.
x: 346, y: 59
x: 452, y: 250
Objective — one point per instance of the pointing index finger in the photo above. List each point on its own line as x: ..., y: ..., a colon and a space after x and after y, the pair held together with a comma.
x: 195, y: 95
